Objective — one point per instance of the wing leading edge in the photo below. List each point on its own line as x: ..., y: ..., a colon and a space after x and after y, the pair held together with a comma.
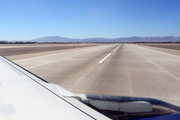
x: 25, y: 96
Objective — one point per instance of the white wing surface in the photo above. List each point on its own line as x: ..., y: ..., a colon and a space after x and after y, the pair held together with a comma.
x: 25, y: 96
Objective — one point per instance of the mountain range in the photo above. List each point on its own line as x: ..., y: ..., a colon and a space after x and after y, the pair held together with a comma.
x: 121, y: 39
x: 100, y: 40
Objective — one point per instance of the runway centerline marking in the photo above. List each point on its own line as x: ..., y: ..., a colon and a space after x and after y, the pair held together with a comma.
x: 101, y: 61
x: 116, y: 49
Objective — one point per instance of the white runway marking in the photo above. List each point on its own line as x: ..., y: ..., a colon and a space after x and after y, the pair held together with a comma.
x: 156, y: 65
x: 116, y: 48
x: 54, y: 61
x: 63, y: 52
x: 47, y: 55
x: 158, y: 51
x: 45, y: 63
x: 101, y: 61
x: 83, y: 77
x: 129, y: 80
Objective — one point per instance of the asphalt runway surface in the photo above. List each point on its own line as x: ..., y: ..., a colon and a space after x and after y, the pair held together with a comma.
x: 123, y: 70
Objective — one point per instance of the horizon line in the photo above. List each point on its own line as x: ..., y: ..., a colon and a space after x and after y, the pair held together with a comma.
x: 90, y: 37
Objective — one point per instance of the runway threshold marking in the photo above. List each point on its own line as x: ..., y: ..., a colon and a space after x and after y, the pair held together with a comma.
x: 102, y: 60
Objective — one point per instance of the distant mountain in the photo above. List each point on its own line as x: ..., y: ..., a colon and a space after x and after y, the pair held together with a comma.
x: 122, y: 39
x: 52, y: 39
x: 149, y: 39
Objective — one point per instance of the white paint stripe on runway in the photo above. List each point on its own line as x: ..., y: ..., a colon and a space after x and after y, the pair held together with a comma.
x: 157, y: 51
x: 54, y: 61
x: 155, y: 64
x: 116, y: 48
x: 101, y: 61
x: 57, y: 60
x: 62, y: 52
x: 47, y: 55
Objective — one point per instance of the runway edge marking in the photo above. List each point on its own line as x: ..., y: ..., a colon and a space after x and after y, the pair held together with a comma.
x: 156, y: 65
x: 157, y: 51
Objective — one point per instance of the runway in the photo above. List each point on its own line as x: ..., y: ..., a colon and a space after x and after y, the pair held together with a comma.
x: 115, y: 69
x: 10, y: 50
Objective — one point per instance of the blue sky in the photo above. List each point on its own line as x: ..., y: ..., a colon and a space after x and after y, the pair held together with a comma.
x: 29, y: 19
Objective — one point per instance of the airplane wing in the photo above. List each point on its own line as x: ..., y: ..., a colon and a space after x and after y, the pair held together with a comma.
x: 25, y: 96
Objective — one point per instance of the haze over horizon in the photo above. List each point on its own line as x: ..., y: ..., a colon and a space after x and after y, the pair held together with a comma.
x: 24, y: 20
x: 100, y: 39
